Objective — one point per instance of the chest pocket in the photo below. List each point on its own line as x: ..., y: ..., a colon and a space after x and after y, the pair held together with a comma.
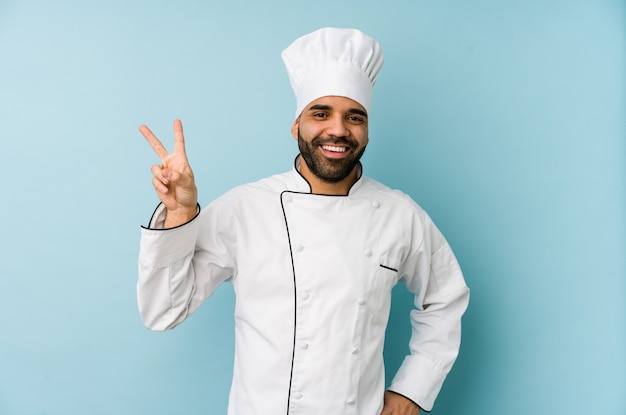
x: 383, y: 276
x: 391, y: 265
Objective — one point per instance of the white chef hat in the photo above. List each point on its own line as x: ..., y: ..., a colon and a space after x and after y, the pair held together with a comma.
x: 331, y: 61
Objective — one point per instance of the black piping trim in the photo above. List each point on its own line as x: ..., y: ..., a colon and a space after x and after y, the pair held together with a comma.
x: 167, y: 229
x: 389, y: 268
x: 295, y: 302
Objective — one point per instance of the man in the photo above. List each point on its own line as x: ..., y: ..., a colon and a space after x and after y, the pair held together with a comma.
x: 313, y: 255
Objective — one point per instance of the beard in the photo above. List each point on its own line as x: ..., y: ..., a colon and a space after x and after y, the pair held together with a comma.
x: 328, y: 169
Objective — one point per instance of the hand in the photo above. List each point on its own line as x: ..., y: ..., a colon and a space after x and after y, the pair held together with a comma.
x: 173, y: 178
x: 396, y: 404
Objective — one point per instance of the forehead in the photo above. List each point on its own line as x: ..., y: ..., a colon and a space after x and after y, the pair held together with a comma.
x: 337, y: 103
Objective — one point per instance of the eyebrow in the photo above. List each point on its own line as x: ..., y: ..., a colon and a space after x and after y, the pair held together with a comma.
x: 328, y: 107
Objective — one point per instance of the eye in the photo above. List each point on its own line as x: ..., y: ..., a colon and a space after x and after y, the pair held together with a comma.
x: 320, y: 115
x: 356, y: 119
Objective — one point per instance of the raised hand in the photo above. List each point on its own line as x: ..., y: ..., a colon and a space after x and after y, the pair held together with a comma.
x: 173, y: 179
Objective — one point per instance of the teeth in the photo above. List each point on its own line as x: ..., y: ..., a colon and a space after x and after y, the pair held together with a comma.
x: 334, y: 148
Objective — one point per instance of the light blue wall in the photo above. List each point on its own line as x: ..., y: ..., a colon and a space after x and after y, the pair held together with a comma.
x: 504, y: 119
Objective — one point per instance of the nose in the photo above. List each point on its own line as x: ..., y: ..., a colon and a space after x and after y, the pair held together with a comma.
x: 337, y: 127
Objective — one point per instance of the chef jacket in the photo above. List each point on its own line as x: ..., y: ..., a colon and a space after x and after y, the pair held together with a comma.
x: 313, y: 276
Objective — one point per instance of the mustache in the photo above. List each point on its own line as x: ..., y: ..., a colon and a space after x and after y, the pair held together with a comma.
x: 320, y: 141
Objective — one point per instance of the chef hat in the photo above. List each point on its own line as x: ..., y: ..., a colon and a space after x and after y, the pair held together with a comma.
x: 330, y: 61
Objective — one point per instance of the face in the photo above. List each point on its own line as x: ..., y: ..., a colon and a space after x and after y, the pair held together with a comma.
x: 332, y: 135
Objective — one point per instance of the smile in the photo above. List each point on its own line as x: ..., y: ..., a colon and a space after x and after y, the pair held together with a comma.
x: 335, y: 149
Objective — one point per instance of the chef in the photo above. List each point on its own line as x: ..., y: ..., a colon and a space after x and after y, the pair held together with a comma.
x: 313, y: 255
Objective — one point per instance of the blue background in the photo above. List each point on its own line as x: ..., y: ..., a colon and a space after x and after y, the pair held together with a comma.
x: 503, y: 119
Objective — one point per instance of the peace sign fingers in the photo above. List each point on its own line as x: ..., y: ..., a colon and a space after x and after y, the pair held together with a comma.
x: 177, y: 160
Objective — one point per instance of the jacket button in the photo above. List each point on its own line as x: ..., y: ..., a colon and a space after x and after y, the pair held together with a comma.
x: 297, y: 395
x: 368, y: 253
x: 299, y: 248
x: 304, y: 296
x: 350, y: 401
x: 304, y: 346
x: 376, y: 204
x: 361, y: 301
x: 355, y: 350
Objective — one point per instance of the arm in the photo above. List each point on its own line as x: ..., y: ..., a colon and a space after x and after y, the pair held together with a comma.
x: 441, y: 297
x: 166, y: 282
x: 180, y: 268
x: 175, y: 274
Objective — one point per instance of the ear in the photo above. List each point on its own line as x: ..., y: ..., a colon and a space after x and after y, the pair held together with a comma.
x: 294, y: 128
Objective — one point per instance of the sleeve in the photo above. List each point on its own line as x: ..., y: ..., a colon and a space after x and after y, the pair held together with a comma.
x: 433, y: 274
x: 179, y: 268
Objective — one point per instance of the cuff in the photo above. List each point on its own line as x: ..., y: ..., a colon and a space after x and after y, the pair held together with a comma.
x: 420, y: 380
x: 157, y: 221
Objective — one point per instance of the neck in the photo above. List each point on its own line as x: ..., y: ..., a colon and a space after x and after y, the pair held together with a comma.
x: 321, y: 187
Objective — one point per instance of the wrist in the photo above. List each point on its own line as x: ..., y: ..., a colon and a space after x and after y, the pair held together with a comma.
x: 179, y: 216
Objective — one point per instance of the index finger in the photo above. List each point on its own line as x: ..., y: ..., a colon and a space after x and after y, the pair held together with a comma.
x: 153, y: 141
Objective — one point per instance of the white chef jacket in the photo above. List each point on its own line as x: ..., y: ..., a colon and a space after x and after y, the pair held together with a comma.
x: 313, y: 276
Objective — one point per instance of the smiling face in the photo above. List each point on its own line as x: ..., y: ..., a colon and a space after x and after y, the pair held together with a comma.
x: 332, y: 134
